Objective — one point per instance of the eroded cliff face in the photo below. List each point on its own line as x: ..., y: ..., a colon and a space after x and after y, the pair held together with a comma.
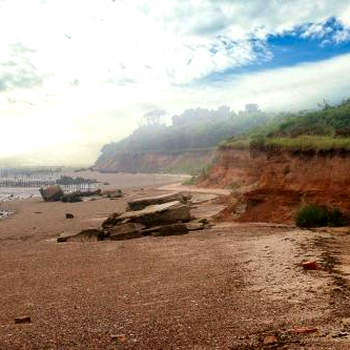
x: 155, y: 162
x: 232, y: 168
x: 275, y: 185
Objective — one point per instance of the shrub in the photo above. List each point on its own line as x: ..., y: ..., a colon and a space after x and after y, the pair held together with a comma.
x: 234, y: 186
x: 316, y: 216
x: 190, y: 181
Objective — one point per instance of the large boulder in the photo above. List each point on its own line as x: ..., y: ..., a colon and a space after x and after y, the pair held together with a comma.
x: 52, y: 193
x: 141, y: 203
x: 155, y: 215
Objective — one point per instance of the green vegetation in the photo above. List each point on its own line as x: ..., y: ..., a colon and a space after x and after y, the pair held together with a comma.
x: 190, y: 181
x: 234, y: 186
x: 318, y: 216
x: 322, y: 130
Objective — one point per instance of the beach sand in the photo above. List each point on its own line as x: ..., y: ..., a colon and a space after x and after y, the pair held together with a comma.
x: 228, y: 287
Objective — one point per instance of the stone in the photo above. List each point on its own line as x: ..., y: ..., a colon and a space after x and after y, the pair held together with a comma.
x: 89, y: 235
x: 141, y: 203
x: 23, y: 319
x: 110, y: 221
x: 76, y: 196
x: 270, y: 340
x: 126, y: 231
x: 112, y: 194
x: 119, y: 337
x: 69, y: 216
x: 304, y: 330
x: 155, y: 215
x: 171, y: 230
x: 195, y: 226
x: 310, y: 265
x: 52, y: 193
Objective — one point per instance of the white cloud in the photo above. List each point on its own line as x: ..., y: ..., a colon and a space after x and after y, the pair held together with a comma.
x: 95, y: 64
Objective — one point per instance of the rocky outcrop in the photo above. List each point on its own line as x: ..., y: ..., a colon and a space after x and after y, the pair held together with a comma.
x: 162, y: 214
x: 166, y: 219
x: 55, y: 193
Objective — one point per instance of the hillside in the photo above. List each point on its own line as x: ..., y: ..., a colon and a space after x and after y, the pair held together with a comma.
x: 185, y: 146
x: 294, y: 161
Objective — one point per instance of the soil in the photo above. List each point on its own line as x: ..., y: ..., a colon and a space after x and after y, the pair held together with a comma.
x: 272, y: 186
x: 234, y: 286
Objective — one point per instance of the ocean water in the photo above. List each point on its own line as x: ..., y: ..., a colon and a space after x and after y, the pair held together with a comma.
x: 14, y: 193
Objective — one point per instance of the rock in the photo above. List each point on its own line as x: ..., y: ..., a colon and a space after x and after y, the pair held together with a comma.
x: 73, y: 197
x: 23, y: 319
x: 171, y: 230
x: 310, y: 265
x: 76, y: 196
x: 112, y: 194
x: 304, y: 330
x: 69, y: 216
x: 119, y: 337
x: 89, y: 235
x: 155, y: 215
x: 195, y: 226
x: 199, y: 198
x: 270, y: 340
x: 110, y: 221
x: 126, y: 231
x: 52, y: 193
x: 340, y: 334
x: 141, y: 203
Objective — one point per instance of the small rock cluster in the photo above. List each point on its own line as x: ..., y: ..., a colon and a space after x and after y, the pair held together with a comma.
x: 55, y: 193
x: 156, y: 216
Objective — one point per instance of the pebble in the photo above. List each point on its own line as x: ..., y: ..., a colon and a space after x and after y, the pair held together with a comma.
x: 23, y: 319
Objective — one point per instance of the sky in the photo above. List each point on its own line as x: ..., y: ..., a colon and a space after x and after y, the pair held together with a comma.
x: 75, y: 75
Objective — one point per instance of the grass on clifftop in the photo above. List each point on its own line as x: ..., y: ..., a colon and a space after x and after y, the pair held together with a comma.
x: 306, y: 143
x: 325, y: 129
x: 300, y: 143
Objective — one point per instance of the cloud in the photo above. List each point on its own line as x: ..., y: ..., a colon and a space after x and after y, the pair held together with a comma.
x: 83, y: 72
x: 331, y: 30
x: 17, y: 71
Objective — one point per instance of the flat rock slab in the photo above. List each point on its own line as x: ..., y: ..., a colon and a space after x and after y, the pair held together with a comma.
x: 171, y: 230
x: 155, y: 215
x: 195, y: 226
x: 141, y: 203
x: 90, y: 235
x: 126, y: 231
x: 198, y: 198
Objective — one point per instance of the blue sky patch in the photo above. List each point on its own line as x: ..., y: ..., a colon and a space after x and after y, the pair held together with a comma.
x: 304, y: 44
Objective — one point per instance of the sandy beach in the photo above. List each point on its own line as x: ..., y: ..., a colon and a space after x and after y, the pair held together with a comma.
x: 228, y: 287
